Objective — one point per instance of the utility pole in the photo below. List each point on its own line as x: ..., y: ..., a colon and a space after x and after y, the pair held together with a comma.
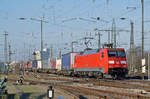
x: 112, y: 34
x: 142, y: 2
x: 148, y: 66
x: 72, y: 45
x: 51, y: 51
x: 41, y: 21
x: 5, y: 47
x: 108, y: 37
x: 99, y: 40
x: 99, y: 37
x: 60, y: 53
x: 41, y: 42
x: 132, y: 48
x: 24, y: 54
x: 9, y: 53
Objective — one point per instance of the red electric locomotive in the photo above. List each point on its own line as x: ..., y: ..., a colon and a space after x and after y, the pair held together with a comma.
x: 110, y: 61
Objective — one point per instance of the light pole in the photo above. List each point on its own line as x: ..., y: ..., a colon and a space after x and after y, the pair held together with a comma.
x: 72, y: 45
x: 148, y: 66
x: 41, y: 20
x: 142, y: 2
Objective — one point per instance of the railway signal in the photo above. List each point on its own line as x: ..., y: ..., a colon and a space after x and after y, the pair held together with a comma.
x: 50, y: 92
x: 3, y: 86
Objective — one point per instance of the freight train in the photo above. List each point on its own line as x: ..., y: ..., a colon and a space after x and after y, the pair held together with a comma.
x: 95, y: 63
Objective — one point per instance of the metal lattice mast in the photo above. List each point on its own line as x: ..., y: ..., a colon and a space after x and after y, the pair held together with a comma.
x: 5, y: 47
x: 108, y: 37
x: 112, y: 32
x: 113, y: 35
x: 132, y: 48
x: 9, y: 47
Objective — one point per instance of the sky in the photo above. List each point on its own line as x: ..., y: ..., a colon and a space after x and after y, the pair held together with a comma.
x: 65, y: 24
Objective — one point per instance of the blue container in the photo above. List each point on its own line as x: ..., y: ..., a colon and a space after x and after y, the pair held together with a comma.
x: 46, y: 64
x: 34, y: 64
x: 68, y: 61
x: 46, y: 54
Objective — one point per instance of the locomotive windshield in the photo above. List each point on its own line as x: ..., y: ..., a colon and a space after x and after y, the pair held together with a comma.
x: 116, y: 54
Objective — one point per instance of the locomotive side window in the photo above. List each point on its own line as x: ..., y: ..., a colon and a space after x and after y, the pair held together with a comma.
x: 116, y: 54
x: 102, y: 55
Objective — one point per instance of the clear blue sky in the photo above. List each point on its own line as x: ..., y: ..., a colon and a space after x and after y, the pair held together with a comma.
x: 25, y: 35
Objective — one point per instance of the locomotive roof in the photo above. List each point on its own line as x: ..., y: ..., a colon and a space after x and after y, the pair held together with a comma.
x: 69, y: 53
x: 93, y: 51
x: 89, y: 52
x: 115, y: 48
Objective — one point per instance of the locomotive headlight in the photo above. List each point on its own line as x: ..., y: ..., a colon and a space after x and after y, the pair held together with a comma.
x: 123, y: 62
x: 111, y: 62
x: 124, y: 66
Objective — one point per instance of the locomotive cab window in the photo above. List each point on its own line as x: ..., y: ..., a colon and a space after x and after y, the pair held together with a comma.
x: 102, y: 55
x: 121, y: 54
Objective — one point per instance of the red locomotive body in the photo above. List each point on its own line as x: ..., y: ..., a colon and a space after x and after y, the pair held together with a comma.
x: 110, y: 61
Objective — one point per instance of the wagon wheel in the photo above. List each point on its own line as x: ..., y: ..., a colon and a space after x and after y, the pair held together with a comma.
x: 114, y: 77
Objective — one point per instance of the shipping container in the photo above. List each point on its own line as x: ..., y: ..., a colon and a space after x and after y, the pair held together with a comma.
x: 39, y: 65
x: 72, y: 58
x: 46, y: 64
x: 36, y: 64
x: 46, y: 54
x: 58, y: 64
x: 27, y: 64
x: 53, y: 64
x: 68, y: 61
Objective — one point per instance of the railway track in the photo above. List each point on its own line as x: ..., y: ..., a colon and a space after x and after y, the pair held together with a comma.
x: 102, y: 94
x: 126, y: 84
x: 130, y: 84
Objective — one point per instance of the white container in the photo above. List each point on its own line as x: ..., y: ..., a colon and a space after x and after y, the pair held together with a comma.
x: 72, y: 59
x: 58, y: 64
x: 39, y: 65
